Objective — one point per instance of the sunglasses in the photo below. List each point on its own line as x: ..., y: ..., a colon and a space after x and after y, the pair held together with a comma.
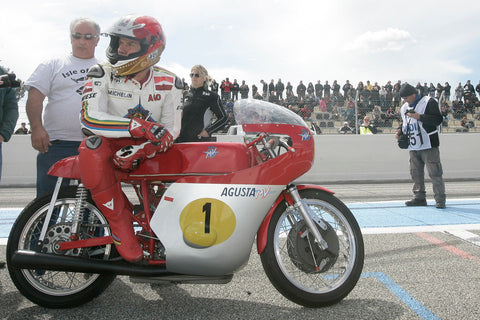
x: 196, y: 75
x: 86, y: 36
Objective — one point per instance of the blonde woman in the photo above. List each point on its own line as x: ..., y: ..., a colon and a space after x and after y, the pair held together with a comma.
x: 199, y: 106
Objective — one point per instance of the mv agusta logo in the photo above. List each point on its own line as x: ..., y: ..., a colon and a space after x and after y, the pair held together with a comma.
x: 210, y: 153
x: 305, y: 135
x: 246, y: 192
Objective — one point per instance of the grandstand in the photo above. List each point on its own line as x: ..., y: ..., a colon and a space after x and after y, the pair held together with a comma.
x: 330, y: 124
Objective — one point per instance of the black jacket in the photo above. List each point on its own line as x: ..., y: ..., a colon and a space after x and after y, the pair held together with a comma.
x: 432, y: 118
x: 196, y: 115
x: 8, y: 111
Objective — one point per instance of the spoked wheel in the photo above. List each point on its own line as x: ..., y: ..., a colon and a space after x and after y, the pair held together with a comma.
x: 295, y: 263
x: 58, y: 289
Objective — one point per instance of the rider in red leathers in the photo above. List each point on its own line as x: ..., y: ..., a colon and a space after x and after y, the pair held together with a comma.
x: 131, y: 110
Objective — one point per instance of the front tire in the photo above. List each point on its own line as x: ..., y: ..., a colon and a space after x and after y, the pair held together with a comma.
x: 58, y: 289
x: 298, y: 267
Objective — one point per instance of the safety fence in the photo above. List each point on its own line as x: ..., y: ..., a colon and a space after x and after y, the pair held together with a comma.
x: 338, y: 158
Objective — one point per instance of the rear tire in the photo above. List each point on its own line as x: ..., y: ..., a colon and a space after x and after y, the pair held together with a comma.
x: 58, y: 289
x: 298, y: 267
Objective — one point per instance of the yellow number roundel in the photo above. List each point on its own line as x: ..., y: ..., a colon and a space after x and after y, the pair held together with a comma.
x: 207, y: 222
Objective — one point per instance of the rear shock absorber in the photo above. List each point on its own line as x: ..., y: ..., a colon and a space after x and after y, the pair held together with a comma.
x: 81, y: 201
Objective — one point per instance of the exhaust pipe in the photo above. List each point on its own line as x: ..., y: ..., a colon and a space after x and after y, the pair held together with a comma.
x: 24, y: 259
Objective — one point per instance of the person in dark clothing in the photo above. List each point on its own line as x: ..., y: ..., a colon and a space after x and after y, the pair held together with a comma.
x: 244, y: 89
x: 271, y: 87
x: 8, y: 115
x: 264, y: 88
x: 8, y: 111
x: 440, y: 89
x: 289, y: 89
x: 279, y: 88
x: 319, y: 89
x: 346, y: 88
x: 254, y: 90
x: 198, y: 109
x: 446, y: 91
x: 468, y: 91
x: 335, y: 88
x: 214, y: 86
x: 326, y: 90
x: 23, y: 129
x: 301, y: 90
x: 421, y: 117
x: 235, y: 90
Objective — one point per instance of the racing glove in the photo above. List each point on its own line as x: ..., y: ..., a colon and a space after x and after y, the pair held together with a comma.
x: 152, y: 131
x: 129, y: 157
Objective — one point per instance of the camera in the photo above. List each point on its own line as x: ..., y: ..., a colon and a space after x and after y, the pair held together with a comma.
x: 9, y: 81
x: 410, y: 110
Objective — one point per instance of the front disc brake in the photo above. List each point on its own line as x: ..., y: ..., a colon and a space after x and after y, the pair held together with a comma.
x: 306, y: 254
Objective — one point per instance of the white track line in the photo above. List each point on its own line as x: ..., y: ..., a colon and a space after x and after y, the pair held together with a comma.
x: 439, y: 228
x: 466, y: 236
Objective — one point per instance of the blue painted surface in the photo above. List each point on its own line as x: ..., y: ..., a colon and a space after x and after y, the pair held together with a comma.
x: 368, y: 215
x: 7, y: 218
x: 406, y: 298
x: 396, y: 214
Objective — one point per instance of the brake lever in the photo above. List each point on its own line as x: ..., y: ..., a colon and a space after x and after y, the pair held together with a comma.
x: 286, y: 146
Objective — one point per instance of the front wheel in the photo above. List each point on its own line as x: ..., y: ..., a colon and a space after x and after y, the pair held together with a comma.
x: 58, y: 289
x: 298, y: 267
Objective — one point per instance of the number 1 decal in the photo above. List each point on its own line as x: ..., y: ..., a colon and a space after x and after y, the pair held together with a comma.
x: 207, y: 222
x: 207, y: 208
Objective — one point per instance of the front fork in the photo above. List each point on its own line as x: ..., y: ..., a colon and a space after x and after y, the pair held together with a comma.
x: 307, y: 214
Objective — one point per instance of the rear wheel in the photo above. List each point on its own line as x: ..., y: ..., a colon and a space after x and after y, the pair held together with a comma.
x: 59, y: 289
x: 298, y: 267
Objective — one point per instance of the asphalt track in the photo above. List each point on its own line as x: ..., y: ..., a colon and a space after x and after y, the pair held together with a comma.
x: 420, y: 263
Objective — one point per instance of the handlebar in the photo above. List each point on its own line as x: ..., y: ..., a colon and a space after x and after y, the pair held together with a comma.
x: 268, y: 145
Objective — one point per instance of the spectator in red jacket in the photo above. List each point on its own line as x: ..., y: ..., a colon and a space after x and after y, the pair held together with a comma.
x: 226, y: 89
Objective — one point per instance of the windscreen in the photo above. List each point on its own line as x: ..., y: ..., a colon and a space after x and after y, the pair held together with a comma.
x: 250, y: 111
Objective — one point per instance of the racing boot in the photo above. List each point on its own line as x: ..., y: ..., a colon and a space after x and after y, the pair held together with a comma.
x: 114, y: 207
x: 415, y: 202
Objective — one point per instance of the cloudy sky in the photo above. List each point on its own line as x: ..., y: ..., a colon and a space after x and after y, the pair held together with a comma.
x: 426, y: 41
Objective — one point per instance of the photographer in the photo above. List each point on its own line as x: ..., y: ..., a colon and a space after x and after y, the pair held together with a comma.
x: 421, y: 117
x: 9, y: 108
x: 367, y: 127
x: 8, y: 112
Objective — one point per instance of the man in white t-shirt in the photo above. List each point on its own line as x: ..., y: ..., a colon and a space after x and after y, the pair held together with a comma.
x: 61, y: 80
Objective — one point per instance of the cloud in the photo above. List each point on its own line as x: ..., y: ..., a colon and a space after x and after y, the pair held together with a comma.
x: 249, y: 39
x: 455, y: 66
x: 390, y: 39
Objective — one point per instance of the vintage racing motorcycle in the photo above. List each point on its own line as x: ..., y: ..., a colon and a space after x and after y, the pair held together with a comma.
x: 197, y: 209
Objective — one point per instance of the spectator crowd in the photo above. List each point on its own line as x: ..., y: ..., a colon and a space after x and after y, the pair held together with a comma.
x: 381, y: 102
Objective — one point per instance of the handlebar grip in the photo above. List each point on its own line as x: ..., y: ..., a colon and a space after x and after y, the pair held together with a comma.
x: 286, y: 146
